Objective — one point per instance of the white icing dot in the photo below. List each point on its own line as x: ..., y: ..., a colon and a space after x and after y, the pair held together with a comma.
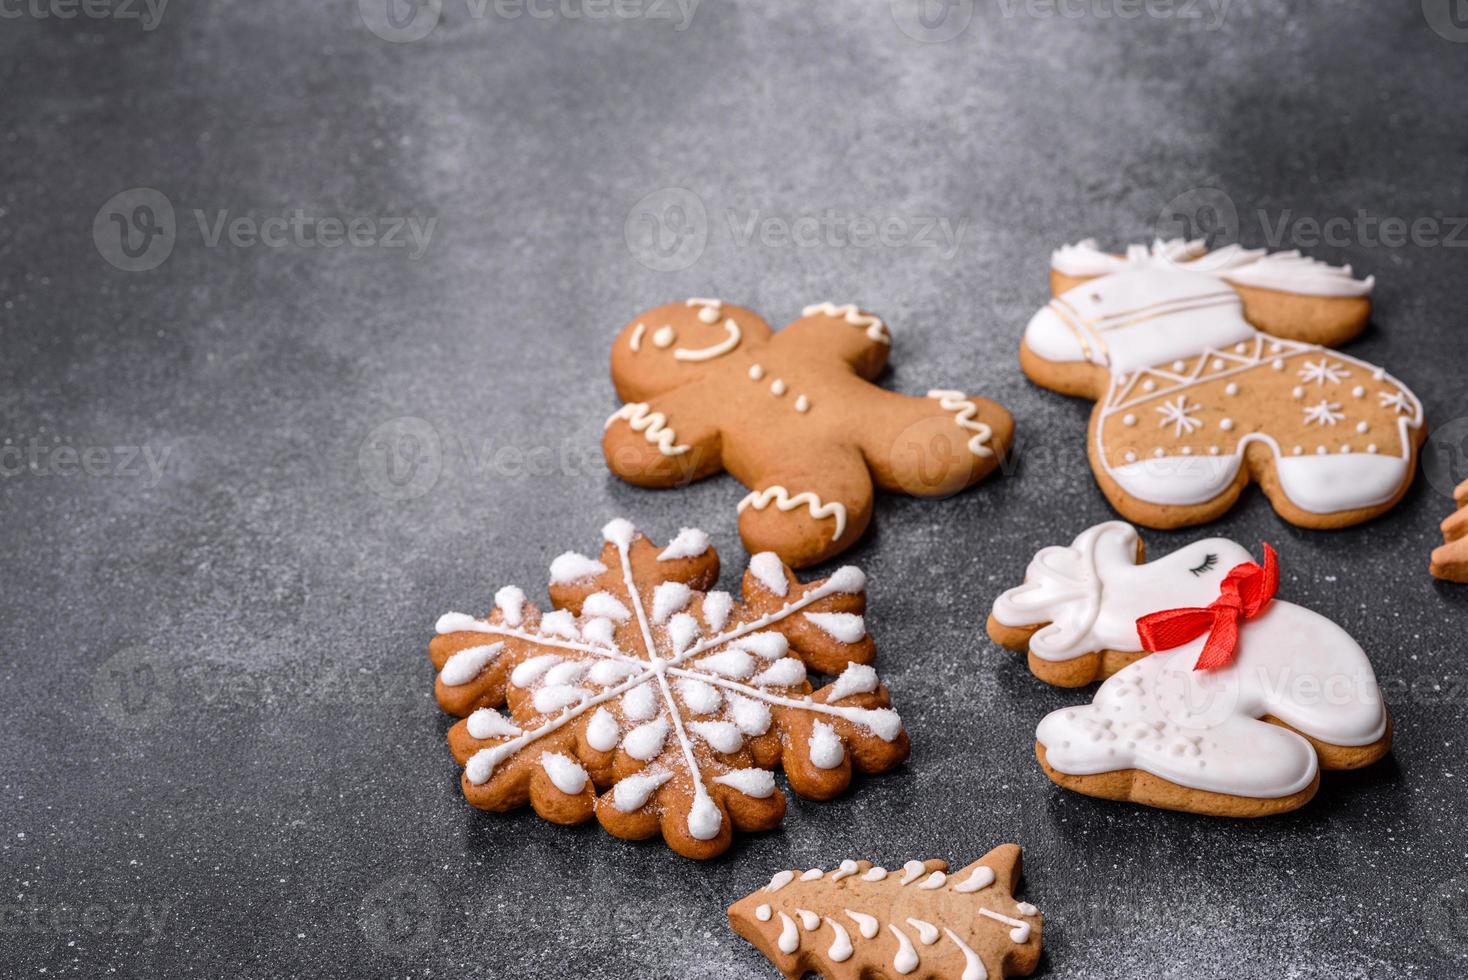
x: 867, y: 924
x: 1187, y: 450
x: 763, y: 913
x: 722, y: 736
x: 1128, y: 419
x: 752, y: 717
x: 847, y: 578
x: 600, y: 631
x: 756, y: 372
x: 809, y: 919
x: 1275, y: 347
x: 1227, y: 425
x: 780, y: 880
x: 1321, y: 450
x: 855, y: 679
x: 704, y: 819
x: 1362, y: 427
x: 1178, y: 365
x: 602, y: 732
x: 1217, y: 364
x: 1159, y: 452
x: 1149, y: 385
x: 756, y: 783
x: 1241, y: 348
x: 1131, y: 457
x: 690, y: 543
x: 1213, y: 450
x: 605, y: 604
x: 664, y: 336
x: 1297, y: 392
x: 1277, y: 364
x: 644, y: 742
x: 1231, y: 388
x: 934, y: 881
x: 701, y: 697
x: 802, y: 404
x: 1359, y: 391
x: 789, y: 940
x: 1345, y: 449
x: 716, y: 609
x: 573, y: 567
x: 1025, y: 908
x: 842, y: 627
x: 709, y: 314
x: 669, y: 597
x: 640, y: 703
x: 1298, y: 450
x: 982, y: 877
x: 1371, y: 448
x: 826, y: 751
x: 777, y: 387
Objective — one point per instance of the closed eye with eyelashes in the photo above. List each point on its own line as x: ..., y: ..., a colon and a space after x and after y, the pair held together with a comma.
x: 1210, y: 561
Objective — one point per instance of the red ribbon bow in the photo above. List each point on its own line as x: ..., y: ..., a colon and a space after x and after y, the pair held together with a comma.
x: 1245, y: 593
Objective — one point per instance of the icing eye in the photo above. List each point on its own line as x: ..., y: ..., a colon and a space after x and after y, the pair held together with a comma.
x: 664, y: 336
x: 1209, y: 563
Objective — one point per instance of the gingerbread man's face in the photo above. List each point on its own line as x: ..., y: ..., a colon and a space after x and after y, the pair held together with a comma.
x: 672, y: 344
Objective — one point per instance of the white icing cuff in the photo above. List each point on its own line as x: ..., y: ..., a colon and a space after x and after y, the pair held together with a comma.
x: 1342, y: 481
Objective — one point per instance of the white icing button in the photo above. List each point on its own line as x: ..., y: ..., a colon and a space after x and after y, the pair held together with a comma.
x: 1362, y: 427
x: 1149, y: 385
x: 1158, y: 452
x: 664, y: 336
x: 756, y: 372
x: 1213, y: 450
x: 1299, y: 450
x: 802, y: 404
x: 1275, y: 347
x: 1231, y: 388
x: 1371, y: 448
x: 1218, y: 364
x: 1187, y: 450
x: 1321, y: 451
x: 1298, y: 392
x: 1227, y: 425
x: 1131, y: 457
x: 777, y: 387
x: 1242, y: 348
x: 1178, y: 365
x: 1345, y: 449
x: 1277, y: 364
x: 1128, y: 419
x: 1359, y: 391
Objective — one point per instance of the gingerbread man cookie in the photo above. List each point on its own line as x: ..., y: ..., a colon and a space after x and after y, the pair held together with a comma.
x: 861, y: 920
x: 658, y: 707
x: 1207, y: 374
x: 1221, y: 700
x: 1450, y: 559
x: 794, y: 416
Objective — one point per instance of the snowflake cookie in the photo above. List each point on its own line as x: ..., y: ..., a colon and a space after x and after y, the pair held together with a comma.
x: 794, y: 416
x: 1207, y: 375
x: 656, y: 706
x: 1221, y: 699
x: 923, y: 923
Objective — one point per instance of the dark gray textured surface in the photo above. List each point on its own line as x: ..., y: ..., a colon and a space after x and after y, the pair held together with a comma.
x: 221, y: 756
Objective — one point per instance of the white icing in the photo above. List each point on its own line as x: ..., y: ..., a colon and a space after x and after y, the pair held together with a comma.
x: 782, y: 673
x: 551, y: 699
x: 605, y: 604
x: 1284, y: 271
x: 911, y: 871
x: 668, y: 598
x: 885, y: 723
x: 635, y: 341
x: 777, y: 387
x: 620, y: 532
x: 784, y: 501
x: 716, y: 609
x: 855, y: 679
x: 530, y: 671
x: 700, y: 697
x: 573, y: 567
x: 826, y: 751
x: 569, y: 672
x: 780, y: 880
x: 599, y: 631
x: 730, y: 663
x: 510, y: 601
x: 802, y: 404
x: 465, y: 665
x: 665, y: 335
x: 847, y: 578
x: 752, y: 717
x: 682, y: 631
x: 565, y: 773
x: 609, y: 672
x: 847, y: 869
x: 933, y: 881
x: 488, y: 723
x: 973, y: 966
x: 632, y: 792
x: 602, y: 732
x: 875, y: 329
x: 982, y: 877
x: 906, y: 959
x: 704, y: 818
x: 789, y: 940
x: 808, y: 919
x: 927, y: 932
x: 653, y: 426
x: 1025, y: 908
x: 713, y: 350
x: 769, y: 572
x: 559, y: 623
x: 767, y: 645
x: 840, y: 950
x: 966, y: 409
x: 844, y: 627
x: 814, y: 874
x: 756, y: 783
x: 764, y: 913
x: 1021, y: 931
x: 867, y: 925
x: 690, y: 543
x: 645, y: 742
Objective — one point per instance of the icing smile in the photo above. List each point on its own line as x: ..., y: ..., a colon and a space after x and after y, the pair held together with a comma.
x: 717, y: 350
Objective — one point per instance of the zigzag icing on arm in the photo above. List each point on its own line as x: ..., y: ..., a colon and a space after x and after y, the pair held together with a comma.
x: 875, y: 328
x: 782, y: 499
x: 957, y: 401
x: 653, y: 426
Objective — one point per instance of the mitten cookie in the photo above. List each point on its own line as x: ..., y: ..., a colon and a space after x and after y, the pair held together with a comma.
x: 1206, y: 374
x: 793, y: 416
x: 1450, y: 561
x: 862, y: 921
x: 658, y: 707
x: 1232, y: 700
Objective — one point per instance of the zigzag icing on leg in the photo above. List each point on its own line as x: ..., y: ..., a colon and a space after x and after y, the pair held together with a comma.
x: 782, y: 499
x: 957, y: 401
